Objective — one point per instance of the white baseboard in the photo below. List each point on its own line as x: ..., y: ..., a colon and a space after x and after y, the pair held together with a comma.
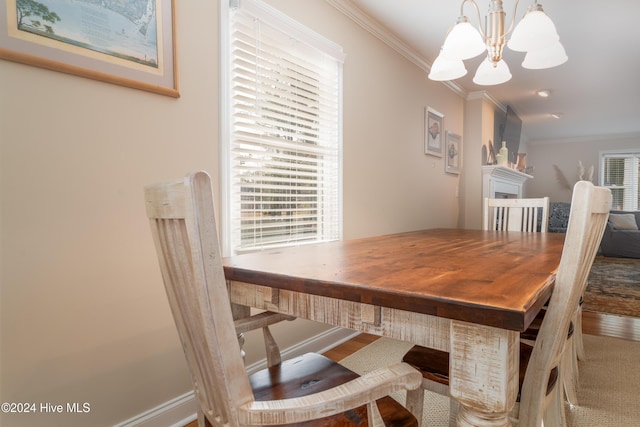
x: 175, y: 413
x: 182, y: 410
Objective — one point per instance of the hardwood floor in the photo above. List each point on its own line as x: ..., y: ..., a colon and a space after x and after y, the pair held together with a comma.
x: 608, y: 325
x: 605, y: 325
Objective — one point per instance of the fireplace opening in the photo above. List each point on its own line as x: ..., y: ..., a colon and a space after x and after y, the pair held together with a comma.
x: 499, y: 195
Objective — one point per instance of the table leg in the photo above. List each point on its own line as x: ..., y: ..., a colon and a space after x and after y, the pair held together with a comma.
x: 483, y: 373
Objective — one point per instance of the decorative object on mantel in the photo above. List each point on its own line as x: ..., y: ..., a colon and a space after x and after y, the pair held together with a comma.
x: 491, y: 159
x: 503, y: 155
x: 522, y: 162
x: 583, y: 175
x: 535, y: 34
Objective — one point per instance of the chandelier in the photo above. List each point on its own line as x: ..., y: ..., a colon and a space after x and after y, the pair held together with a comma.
x: 535, y: 34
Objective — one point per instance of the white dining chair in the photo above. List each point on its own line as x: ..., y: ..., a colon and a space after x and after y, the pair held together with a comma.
x: 311, y: 389
x: 532, y: 215
x: 529, y: 214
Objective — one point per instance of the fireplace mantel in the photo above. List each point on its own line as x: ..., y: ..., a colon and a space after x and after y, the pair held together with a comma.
x: 501, y: 181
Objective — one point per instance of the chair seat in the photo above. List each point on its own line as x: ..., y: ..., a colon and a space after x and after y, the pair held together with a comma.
x: 534, y: 328
x: 434, y: 365
x: 313, y: 373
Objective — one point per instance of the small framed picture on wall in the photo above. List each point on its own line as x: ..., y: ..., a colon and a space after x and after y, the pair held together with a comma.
x: 453, y: 153
x: 433, y: 132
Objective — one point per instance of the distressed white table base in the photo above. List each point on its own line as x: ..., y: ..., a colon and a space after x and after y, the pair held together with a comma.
x: 484, y: 360
x: 483, y: 373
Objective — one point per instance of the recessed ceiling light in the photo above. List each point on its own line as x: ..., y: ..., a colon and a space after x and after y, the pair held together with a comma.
x: 556, y: 115
x: 543, y: 93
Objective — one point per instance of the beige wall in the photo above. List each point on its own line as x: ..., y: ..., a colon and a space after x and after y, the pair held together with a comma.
x: 566, y: 154
x: 479, y: 120
x: 389, y: 184
x: 84, y: 315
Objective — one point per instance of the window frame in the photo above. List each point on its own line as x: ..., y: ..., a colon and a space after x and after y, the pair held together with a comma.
x: 633, y: 186
x: 310, y: 38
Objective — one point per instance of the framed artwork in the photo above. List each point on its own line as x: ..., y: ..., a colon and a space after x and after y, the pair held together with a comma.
x: 128, y: 43
x: 453, y: 153
x: 433, y: 132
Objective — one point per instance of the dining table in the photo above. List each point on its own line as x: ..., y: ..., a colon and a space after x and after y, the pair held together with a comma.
x: 468, y: 292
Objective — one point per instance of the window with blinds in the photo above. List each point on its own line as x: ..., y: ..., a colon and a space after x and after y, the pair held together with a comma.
x: 620, y: 172
x: 285, y: 146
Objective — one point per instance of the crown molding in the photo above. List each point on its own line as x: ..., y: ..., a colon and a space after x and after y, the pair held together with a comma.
x: 586, y: 138
x: 484, y: 95
x: 356, y: 14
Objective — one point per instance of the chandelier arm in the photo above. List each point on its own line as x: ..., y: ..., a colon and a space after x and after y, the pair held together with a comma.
x: 484, y: 36
x: 513, y: 18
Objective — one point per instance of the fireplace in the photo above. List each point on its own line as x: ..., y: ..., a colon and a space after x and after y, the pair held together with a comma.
x: 502, y: 182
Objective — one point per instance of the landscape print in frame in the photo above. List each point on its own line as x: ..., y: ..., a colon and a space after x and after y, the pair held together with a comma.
x: 126, y: 42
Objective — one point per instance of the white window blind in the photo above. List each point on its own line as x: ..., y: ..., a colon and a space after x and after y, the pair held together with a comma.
x: 620, y: 172
x: 285, y: 138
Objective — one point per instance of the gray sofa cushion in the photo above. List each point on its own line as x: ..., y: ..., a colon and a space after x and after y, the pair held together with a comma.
x: 623, y: 221
x: 621, y: 243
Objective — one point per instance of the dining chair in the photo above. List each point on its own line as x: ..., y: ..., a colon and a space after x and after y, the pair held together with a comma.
x: 516, y: 214
x: 310, y: 390
x: 532, y: 215
x: 540, y: 396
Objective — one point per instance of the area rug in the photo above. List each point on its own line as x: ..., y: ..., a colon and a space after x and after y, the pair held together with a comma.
x: 614, y: 287
x: 609, y: 382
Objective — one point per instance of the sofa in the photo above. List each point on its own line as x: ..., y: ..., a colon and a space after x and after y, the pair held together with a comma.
x: 621, y: 237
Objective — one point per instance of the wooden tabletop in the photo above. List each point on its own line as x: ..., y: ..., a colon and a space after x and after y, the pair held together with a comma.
x: 498, y: 279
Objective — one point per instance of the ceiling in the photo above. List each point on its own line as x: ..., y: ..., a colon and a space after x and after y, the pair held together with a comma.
x: 596, y: 92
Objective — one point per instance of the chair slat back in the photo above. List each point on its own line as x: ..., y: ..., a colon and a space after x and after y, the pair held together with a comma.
x: 183, y: 225
x: 516, y: 214
x: 587, y: 220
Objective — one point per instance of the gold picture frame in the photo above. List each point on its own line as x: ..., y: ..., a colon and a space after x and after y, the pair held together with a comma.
x: 131, y: 46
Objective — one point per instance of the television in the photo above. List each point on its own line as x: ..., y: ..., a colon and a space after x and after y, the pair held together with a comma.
x: 509, y: 128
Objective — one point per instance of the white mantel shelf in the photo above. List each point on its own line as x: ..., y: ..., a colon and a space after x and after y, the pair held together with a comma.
x: 503, y: 181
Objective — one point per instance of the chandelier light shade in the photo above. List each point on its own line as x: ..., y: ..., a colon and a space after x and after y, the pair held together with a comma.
x: 464, y: 41
x: 548, y: 57
x: 535, y: 34
x: 489, y: 74
x: 444, y: 68
x: 535, y: 31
